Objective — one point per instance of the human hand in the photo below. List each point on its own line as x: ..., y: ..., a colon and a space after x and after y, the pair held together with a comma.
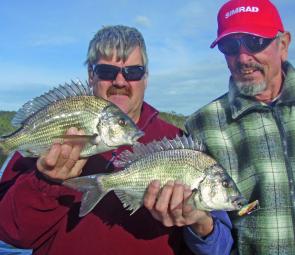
x: 169, y: 206
x: 62, y: 160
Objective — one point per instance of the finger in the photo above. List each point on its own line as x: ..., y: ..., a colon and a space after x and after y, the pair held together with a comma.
x: 177, y: 196
x: 73, y: 154
x: 48, y: 161
x: 71, y: 151
x: 77, y: 169
x: 77, y: 148
x: 187, y: 210
x: 66, y: 148
x: 176, y: 204
x: 187, y: 192
x: 164, y: 197
x: 151, y: 194
x: 52, y: 156
x: 74, y: 163
x: 64, y: 156
x: 71, y: 131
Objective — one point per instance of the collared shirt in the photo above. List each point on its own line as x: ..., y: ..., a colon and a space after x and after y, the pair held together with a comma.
x: 255, y: 143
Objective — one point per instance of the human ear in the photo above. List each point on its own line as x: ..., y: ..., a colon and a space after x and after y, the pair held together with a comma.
x: 90, y: 75
x: 285, y: 40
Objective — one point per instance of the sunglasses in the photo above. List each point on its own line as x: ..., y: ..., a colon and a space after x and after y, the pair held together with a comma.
x: 110, y: 72
x: 230, y: 46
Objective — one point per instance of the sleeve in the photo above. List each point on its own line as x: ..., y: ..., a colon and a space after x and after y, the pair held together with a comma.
x: 32, y: 208
x: 219, y: 242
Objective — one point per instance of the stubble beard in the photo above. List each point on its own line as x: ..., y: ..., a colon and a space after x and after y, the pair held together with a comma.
x: 250, y: 88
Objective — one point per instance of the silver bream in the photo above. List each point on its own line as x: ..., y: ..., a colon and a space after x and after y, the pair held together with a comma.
x: 178, y: 159
x: 45, y: 120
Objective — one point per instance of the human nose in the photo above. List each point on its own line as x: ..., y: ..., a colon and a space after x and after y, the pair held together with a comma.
x: 244, y: 55
x: 120, y: 80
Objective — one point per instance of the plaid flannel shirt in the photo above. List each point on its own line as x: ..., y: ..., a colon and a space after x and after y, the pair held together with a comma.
x: 255, y: 143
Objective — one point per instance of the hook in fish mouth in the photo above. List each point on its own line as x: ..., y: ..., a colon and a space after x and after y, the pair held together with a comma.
x: 238, y: 201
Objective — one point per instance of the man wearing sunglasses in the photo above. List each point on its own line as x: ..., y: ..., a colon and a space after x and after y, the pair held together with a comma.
x: 251, y: 129
x: 42, y: 215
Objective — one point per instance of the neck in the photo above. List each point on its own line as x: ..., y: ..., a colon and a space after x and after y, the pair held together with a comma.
x: 273, y: 91
x: 135, y: 115
x: 268, y: 96
x: 135, y: 119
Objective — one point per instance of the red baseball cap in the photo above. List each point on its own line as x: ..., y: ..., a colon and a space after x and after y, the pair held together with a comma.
x: 257, y: 17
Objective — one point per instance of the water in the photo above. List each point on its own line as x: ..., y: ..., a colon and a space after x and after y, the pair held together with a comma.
x: 6, y: 249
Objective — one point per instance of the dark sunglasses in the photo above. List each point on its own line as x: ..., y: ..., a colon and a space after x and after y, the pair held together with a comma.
x: 230, y: 46
x: 110, y: 72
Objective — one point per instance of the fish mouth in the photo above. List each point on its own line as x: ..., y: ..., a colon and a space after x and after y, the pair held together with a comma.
x: 238, y: 201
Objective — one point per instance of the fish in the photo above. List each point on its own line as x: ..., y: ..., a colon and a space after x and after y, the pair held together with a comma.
x: 181, y: 158
x: 44, y: 120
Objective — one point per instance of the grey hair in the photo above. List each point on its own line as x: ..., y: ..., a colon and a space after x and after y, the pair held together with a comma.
x: 119, y: 40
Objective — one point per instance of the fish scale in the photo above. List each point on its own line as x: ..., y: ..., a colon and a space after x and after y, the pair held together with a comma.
x: 42, y: 131
x: 46, y: 119
x: 179, y: 164
x: 167, y: 160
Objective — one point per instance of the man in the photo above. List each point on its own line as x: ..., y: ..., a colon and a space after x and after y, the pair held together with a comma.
x: 250, y: 130
x: 40, y: 214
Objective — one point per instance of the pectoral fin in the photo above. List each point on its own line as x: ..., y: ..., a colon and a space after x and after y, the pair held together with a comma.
x: 84, y: 139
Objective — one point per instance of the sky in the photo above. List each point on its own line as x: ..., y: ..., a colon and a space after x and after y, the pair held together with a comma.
x: 44, y: 44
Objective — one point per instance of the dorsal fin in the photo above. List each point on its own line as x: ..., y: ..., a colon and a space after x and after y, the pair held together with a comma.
x: 56, y: 94
x: 142, y: 150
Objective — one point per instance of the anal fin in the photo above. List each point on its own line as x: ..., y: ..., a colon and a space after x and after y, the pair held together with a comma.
x: 130, y: 199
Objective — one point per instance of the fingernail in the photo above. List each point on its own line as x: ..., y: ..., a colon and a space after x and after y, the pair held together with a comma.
x: 72, y: 130
x: 187, y: 187
x: 170, y: 183
x: 156, y: 183
x: 81, y: 132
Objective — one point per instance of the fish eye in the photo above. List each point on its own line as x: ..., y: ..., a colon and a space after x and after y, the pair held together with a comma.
x: 122, y: 122
x: 225, y: 184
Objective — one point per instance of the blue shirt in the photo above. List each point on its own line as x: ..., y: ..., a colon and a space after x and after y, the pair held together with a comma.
x: 219, y: 242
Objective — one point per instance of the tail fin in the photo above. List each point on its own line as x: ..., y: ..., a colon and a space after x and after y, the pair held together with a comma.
x: 92, y: 191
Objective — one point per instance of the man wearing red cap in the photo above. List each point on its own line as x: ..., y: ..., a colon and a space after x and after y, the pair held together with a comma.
x: 251, y: 129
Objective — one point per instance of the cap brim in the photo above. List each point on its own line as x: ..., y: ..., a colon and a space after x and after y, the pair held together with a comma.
x: 267, y: 33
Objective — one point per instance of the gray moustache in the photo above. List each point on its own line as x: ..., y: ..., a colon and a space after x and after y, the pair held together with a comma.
x: 252, y: 65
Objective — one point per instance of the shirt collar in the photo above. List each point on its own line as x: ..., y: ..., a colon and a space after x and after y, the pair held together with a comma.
x: 147, y: 114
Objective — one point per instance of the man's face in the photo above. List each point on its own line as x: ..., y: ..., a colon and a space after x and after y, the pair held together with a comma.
x: 127, y: 95
x: 259, y: 74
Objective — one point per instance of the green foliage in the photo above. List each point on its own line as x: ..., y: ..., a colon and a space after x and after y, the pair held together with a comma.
x: 174, y: 118
x: 5, y: 119
x: 5, y: 128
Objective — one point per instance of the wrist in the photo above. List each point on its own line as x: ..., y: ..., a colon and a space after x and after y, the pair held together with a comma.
x: 203, y: 228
